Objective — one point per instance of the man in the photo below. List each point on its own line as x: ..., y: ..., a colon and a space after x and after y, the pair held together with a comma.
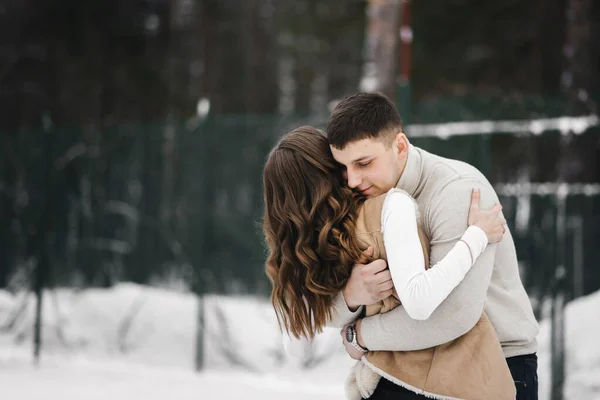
x: 442, y: 189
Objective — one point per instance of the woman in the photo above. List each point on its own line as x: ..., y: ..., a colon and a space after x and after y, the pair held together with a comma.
x: 316, y: 228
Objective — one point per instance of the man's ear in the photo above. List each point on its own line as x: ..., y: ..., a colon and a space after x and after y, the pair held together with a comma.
x: 401, y: 144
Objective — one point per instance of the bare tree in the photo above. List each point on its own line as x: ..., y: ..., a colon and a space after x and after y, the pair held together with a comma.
x: 381, y: 47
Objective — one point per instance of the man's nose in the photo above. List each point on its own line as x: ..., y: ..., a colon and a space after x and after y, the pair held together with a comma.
x: 353, y: 179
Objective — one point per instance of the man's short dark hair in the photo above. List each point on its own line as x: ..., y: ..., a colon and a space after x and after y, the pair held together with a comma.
x: 361, y: 116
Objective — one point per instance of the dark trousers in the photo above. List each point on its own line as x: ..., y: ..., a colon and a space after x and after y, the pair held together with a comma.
x: 524, y: 373
x: 522, y: 368
x: 387, y: 390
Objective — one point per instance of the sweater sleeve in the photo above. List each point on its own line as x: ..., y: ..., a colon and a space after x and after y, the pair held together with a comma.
x: 422, y: 290
x: 446, y: 217
x: 341, y: 314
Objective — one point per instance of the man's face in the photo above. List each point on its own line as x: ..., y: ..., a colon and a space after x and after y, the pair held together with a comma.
x: 371, y: 167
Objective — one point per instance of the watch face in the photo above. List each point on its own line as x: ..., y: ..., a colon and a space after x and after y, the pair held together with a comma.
x: 349, y: 334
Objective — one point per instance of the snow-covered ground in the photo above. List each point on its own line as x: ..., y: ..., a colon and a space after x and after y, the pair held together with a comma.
x: 76, y: 379
x: 133, y: 342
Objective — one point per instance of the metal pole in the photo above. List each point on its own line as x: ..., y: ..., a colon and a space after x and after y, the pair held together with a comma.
x: 200, y: 334
x: 43, y: 265
x: 559, y: 297
x: 206, y: 127
x: 576, y: 228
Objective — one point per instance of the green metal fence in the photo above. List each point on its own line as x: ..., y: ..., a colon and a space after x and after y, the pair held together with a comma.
x: 182, y: 202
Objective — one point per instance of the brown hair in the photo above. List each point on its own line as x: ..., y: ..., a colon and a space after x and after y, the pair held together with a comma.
x: 361, y: 116
x: 309, y: 225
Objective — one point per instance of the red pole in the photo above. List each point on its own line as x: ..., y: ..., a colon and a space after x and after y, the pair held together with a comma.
x: 403, y: 92
x: 406, y: 36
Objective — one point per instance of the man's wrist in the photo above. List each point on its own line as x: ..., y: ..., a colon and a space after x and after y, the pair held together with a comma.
x: 351, y: 306
x: 359, y: 338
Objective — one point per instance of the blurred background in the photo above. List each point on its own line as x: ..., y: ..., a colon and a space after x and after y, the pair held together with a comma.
x: 133, y: 136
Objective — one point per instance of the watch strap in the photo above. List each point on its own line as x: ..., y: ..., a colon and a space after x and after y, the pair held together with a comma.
x: 354, y: 341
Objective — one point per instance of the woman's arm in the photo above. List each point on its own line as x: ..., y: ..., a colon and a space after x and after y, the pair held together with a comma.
x: 421, y: 291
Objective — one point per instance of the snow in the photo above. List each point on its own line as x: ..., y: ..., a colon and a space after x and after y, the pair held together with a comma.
x: 85, y: 379
x: 582, y: 350
x: 133, y: 342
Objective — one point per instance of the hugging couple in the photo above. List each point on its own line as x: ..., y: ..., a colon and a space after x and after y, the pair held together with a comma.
x: 388, y: 242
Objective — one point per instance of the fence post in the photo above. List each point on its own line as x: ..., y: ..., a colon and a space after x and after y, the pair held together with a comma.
x: 201, y: 284
x: 43, y: 264
x: 485, y: 156
x: 576, y: 230
x: 557, y: 335
x: 200, y: 333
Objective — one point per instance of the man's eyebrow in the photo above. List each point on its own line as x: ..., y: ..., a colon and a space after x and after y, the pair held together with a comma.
x: 363, y: 158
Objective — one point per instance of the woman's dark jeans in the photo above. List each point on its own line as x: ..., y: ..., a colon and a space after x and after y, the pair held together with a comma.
x: 387, y: 390
x: 522, y: 368
x: 524, y: 373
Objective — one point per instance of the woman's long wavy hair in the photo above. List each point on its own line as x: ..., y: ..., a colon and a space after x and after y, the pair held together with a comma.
x: 309, y: 223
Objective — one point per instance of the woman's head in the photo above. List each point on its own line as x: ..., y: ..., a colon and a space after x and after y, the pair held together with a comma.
x: 309, y: 227
x: 300, y: 169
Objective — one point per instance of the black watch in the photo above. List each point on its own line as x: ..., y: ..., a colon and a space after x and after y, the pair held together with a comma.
x: 352, y: 337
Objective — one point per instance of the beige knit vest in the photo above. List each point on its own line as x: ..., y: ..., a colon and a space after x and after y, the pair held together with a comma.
x: 469, y: 367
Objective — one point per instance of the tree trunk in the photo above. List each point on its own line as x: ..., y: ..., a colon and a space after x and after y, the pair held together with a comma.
x: 381, y: 47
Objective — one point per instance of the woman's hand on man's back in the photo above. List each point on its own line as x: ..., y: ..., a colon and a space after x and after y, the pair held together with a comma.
x: 489, y: 221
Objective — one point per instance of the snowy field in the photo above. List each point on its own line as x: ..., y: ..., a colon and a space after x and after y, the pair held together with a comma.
x: 85, y: 379
x: 135, y: 342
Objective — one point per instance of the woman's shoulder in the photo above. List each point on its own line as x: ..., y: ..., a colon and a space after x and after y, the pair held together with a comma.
x: 373, y: 209
x: 393, y: 195
x: 396, y: 200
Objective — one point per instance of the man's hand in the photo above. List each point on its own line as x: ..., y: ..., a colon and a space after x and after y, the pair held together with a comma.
x: 368, y: 283
x: 352, y: 351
